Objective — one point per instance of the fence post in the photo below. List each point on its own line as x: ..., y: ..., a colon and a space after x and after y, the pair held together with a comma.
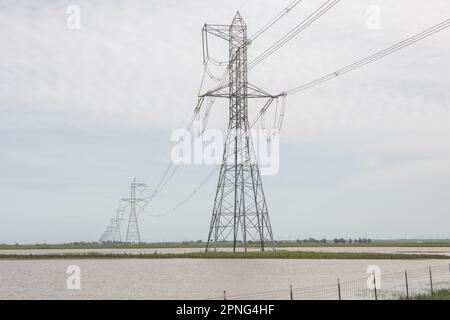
x: 431, y: 282
x: 407, y: 286
x: 339, y: 290
x: 292, y: 294
x: 224, y: 295
x: 375, y: 286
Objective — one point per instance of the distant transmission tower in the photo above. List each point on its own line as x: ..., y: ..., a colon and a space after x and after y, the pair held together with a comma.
x: 133, y: 227
x: 240, y: 211
x: 117, y: 236
x: 108, y: 234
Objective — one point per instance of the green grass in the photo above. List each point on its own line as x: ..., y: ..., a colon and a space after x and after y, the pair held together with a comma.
x: 156, y: 245
x: 437, y: 295
x: 227, y: 255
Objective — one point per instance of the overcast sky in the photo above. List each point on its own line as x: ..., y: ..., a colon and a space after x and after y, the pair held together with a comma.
x: 84, y: 111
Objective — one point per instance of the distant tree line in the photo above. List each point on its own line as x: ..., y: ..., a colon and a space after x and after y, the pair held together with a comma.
x: 336, y: 240
x: 191, y: 241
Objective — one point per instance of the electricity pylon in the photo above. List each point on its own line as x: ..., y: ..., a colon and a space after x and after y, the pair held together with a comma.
x: 133, y: 227
x: 240, y: 211
x: 108, y: 235
x: 117, y: 236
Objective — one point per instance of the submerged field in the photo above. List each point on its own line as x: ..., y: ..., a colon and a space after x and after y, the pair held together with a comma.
x: 209, y: 278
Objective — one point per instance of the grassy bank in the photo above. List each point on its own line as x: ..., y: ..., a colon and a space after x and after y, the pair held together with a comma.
x: 437, y: 295
x: 228, y: 255
x: 157, y: 245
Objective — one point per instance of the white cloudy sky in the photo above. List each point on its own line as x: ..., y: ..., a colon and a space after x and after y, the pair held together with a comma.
x: 84, y: 111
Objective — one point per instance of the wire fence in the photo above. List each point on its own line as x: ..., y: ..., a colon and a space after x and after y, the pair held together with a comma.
x: 376, y: 286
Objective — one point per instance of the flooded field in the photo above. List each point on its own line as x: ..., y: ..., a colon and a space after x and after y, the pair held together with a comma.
x: 184, y: 278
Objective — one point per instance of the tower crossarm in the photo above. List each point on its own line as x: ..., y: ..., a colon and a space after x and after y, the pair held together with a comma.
x: 219, y: 30
x: 252, y: 92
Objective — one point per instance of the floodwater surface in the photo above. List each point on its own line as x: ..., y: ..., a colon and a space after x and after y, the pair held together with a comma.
x: 187, y: 278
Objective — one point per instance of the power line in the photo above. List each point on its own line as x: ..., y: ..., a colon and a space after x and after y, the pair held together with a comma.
x: 190, y: 195
x: 171, y: 168
x: 275, y: 19
x: 403, y: 44
x: 168, y: 174
x: 293, y: 32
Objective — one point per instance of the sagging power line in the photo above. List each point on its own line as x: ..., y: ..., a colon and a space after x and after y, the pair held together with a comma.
x: 403, y: 44
x: 294, y: 32
x: 274, y: 20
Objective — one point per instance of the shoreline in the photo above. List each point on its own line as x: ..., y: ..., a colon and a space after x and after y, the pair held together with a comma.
x: 179, y: 245
x: 228, y: 255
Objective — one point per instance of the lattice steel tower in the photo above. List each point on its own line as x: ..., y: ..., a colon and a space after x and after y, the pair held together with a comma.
x: 240, y: 211
x: 133, y: 227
